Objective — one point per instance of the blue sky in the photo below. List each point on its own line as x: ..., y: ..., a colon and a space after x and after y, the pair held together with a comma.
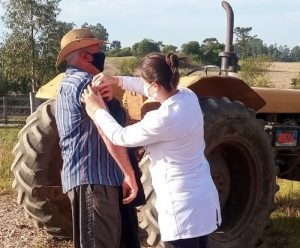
x: 179, y: 21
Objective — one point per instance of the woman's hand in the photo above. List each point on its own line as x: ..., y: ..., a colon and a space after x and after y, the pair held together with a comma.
x: 93, y: 100
x: 106, y: 92
x: 100, y: 81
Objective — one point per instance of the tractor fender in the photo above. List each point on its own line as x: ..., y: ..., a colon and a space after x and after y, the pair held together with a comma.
x: 279, y: 100
x: 49, y: 90
x: 224, y: 86
x: 216, y: 86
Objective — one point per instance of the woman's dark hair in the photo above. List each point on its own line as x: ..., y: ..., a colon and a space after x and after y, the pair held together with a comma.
x: 160, y: 68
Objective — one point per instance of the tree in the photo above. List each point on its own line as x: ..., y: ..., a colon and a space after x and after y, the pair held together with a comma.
x: 257, y: 47
x: 144, y: 47
x: 192, y: 48
x: 243, y: 41
x: 3, y: 85
x: 210, y: 49
x: 284, y: 54
x: 296, y: 53
x: 273, y: 52
x: 115, y: 44
x: 27, y: 20
x: 169, y: 48
x: 16, y: 67
x: 116, y: 52
x: 99, y: 31
x: 49, y: 49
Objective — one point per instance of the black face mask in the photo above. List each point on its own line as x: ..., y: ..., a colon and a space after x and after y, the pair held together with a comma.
x: 98, y: 60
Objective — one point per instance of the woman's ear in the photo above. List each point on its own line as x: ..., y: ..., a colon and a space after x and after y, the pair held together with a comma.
x: 156, y: 85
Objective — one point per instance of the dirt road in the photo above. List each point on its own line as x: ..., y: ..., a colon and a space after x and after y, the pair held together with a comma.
x: 16, y: 231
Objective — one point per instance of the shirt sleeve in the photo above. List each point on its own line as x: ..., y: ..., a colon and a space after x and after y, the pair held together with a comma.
x: 151, y: 129
x: 134, y: 84
x: 80, y: 91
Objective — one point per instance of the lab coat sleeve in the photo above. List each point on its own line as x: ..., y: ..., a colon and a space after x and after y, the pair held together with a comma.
x: 134, y: 84
x: 151, y: 129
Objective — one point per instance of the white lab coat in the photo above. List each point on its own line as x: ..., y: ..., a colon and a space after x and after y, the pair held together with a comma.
x: 187, y: 200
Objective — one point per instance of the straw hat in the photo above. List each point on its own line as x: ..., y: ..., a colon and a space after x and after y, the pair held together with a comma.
x: 76, y: 39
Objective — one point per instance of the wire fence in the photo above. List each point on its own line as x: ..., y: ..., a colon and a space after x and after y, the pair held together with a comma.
x: 15, y: 109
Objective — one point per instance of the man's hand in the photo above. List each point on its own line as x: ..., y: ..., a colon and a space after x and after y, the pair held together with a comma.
x: 130, y: 189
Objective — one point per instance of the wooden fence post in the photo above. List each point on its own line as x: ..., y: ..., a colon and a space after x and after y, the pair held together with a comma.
x: 5, y: 109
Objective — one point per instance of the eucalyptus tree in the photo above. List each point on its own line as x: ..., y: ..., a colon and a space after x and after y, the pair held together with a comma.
x: 32, y: 42
x: 296, y: 53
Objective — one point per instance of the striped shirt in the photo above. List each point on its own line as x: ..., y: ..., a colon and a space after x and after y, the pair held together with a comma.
x: 86, y: 159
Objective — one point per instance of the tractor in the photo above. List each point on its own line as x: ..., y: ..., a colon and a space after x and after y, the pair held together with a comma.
x: 251, y: 134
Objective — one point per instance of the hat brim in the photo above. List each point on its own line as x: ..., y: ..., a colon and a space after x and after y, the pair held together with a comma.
x: 76, y: 45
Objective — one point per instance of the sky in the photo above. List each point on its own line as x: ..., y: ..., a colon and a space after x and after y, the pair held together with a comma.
x: 180, y: 21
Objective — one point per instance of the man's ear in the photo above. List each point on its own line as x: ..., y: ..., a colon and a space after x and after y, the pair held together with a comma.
x: 85, y: 56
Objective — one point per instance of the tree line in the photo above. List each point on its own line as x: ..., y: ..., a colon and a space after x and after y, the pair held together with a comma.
x: 29, y: 49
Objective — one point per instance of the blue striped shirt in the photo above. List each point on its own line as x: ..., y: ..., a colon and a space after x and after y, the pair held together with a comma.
x: 86, y: 159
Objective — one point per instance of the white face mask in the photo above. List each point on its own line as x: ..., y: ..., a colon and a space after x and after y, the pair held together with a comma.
x: 146, y: 90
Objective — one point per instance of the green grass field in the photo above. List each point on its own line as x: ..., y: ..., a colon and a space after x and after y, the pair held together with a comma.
x: 8, y: 138
x: 285, y: 226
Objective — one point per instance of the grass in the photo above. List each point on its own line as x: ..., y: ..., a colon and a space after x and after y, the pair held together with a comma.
x: 285, y: 220
x: 282, y: 73
x: 8, y: 138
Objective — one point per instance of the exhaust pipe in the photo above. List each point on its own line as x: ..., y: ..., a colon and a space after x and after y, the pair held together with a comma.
x: 229, y: 59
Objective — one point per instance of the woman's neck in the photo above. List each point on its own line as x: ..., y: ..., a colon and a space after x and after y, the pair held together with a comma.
x: 167, y: 94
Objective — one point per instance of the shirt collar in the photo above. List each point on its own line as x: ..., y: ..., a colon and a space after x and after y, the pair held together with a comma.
x: 72, y: 68
x: 172, y: 99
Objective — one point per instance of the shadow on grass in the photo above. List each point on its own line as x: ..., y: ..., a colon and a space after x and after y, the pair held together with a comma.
x: 285, y: 220
x: 284, y: 233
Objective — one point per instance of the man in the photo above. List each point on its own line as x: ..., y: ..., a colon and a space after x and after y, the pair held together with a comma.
x: 90, y: 176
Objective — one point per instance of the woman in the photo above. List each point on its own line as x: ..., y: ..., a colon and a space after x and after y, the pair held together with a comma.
x: 187, y: 200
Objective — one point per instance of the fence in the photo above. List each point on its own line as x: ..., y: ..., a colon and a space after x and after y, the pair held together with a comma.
x: 15, y: 109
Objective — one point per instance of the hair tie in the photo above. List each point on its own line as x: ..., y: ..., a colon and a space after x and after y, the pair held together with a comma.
x: 174, y: 69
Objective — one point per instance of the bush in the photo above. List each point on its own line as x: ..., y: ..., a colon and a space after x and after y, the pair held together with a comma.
x: 254, y: 71
x: 128, y: 66
x: 119, y: 52
x: 296, y: 82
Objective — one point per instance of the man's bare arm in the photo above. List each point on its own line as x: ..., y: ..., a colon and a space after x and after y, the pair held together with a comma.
x: 120, y: 155
x: 117, y: 152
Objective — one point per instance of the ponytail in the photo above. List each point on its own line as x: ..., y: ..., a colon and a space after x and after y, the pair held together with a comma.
x: 173, y: 62
x: 160, y: 68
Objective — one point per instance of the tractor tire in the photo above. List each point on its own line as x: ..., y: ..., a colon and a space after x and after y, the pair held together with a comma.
x: 148, y: 212
x: 36, y: 171
x: 243, y: 169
